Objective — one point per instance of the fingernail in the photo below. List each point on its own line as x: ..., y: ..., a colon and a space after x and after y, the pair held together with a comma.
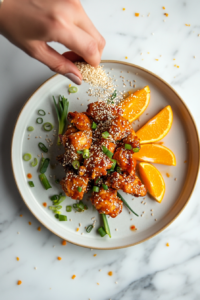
x: 73, y: 78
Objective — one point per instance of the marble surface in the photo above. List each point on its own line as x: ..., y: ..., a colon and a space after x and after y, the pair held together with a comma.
x: 146, y: 271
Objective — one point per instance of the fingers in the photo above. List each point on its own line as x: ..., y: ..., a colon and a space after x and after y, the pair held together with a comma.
x: 56, y: 62
x: 72, y: 56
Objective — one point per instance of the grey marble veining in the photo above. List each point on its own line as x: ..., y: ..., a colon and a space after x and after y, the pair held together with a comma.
x: 146, y: 271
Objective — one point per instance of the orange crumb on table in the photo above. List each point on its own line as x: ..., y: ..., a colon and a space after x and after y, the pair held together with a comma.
x: 39, y: 228
x: 73, y: 276
x: 77, y: 229
x: 95, y: 255
x: 19, y: 282
x: 187, y: 24
x: 21, y: 215
x: 29, y: 223
x: 123, y: 8
x: 97, y: 283
x: 44, y: 204
x: 110, y: 273
x: 59, y: 258
x: 70, y: 85
x: 29, y: 175
x: 137, y: 14
x: 167, y: 174
x: 132, y: 227
x: 185, y: 161
x: 163, y: 7
x: 126, y: 57
x: 157, y: 59
x: 17, y: 258
x: 64, y: 243
x: 174, y: 58
x: 177, y: 66
x: 148, y: 52
x: 167, y: 244
x: 166, y: 14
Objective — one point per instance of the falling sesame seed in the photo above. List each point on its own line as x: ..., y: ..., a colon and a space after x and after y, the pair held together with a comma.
x: 152, y: 214
x: 35, y: 268
x: 142, y: 202
x: 36, y: 137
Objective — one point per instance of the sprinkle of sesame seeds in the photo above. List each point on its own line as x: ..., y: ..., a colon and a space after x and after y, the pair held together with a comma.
x: 18, y: 232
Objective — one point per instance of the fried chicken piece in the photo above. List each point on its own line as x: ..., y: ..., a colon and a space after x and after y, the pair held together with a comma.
x: 64, y: 137
x: 71, y: 183
x: 80, y: 140
x: 119, y: 128
x: 125, y: 159
x: 79, y: 120
x: 128, y: 183
x: 98, y: 163
x: 132, y: 140
x: 107, y: 202
x: 82, y: 170
x: 101, y: 111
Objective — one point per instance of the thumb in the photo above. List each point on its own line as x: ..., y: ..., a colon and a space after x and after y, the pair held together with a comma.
x: 56, y: 62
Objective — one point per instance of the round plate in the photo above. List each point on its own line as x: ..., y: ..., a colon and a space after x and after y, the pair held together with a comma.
x: 182, y: 140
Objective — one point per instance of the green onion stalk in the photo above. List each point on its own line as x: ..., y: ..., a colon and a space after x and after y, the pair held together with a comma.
x: 62, y: 111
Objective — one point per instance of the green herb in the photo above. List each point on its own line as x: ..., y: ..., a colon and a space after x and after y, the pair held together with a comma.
x: 45, y: 181
x: 79, y: 189
x: 34, y: 162
x: 31, y: 184
x: 107, y: 152
x: 73, y: 89
x: 55, y: 197
x: 101, y: 231
x: 106, y: 225
x: 79, y: 206
x: 105, y: 134
x: 57, y: 181
x: 44, y: 166
x: 136, y: 150
x: 41, y: 112
x: 113, y: 165
x: 79, y: 151
x: 61, y: 199
x: 62, y: 112
x: 27, y: 156
x: 95, y: 189
x: 47, y: 126
x: 113, y: 96
x: 118, y: 169
x: 97, y: 180
x: 30, y: 128
x: 39, y: 120
x: 89, y: 228
x: 105, y: 187
x: 76, y: 164
x: 54, y: 208
x: 68, y: 208
x: 124, y: 201
x: 61, y: 217
x: 43, y: 147
x: 94, y: 125
x: 57, y: 212
x: 128, y: 147
x: 86, y: 153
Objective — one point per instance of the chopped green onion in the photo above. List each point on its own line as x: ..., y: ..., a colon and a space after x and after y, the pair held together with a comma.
x: 31, y: 184
x: 57, y: 212
x: 41, y: 112
x: 30, y: 128
x: 94, y: 125
x: 105, y: 187
x: 42, y: 161
x: 95, y: 189
x: 107, y: 152
x: 55, y: 197
x: 60, y: 200
x: 79, y: 189
x: 136, y: 150
x: 27, y: 156
x: 85, y: 207
x: 97, y: 180
x: 118, y: 169
x: 101, y: 231
x: 124, y: 201
x: 47, y: 126
x: 73, y: 89
x: 54, y: 208
x: 128, y: 147
x: 34, y: 162
x: 86, y: 153
x: 114, y: 95
x: 39, y: 120
x: 57, y: 181
x: 43, y: 147
x: 62, y: 218
x: 106, y: 226
x: 89, y: 228
x: 68, y: 208
x: 62, y: 112
x: 113, y: 165
x: 44, y: 166
x: 79, y: 151
x: 79, y: 206
x: 105, y: 134
x: 45, y: 181
x: 57, y: 216
x: 76, y: 164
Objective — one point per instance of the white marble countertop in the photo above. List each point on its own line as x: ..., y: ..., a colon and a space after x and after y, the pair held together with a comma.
x: 146, y: 271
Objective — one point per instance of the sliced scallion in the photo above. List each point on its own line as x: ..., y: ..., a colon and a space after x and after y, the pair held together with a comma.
x: 118, y: 169
x: 79, y: 189
x: 97, y: 180
x: 34, y: 162
x: 47, y: 126
x: 94, y: 125
x: 68, y: 208
x: 107, y: 152
x: 128, y: 147
x: 113, y: 165
x: 105, y: 134
x: 136, y: 150
x: 41, y: 112
x: 101, y: 231
x: 89, y: 228
x: 43, y: 147
x: 79, y: 151
x: 55, y: 197
x: 62, y: 218
x: 86, y: 153
x: 44, y: 166
x: 31, y: 184
x: 95, y: 189
x: 30, y: 128
x: 106, y: 225
x: 124, y: 201
x: 62, y: 112
x: 27, y: 156
x: 39, y: 120
x: 44, y: 181
x: 76, y: 164
x: 72, y: 89
x: 57, y: 212
x: 105, y: 187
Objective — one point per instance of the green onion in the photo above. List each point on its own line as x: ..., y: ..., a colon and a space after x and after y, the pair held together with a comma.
x: 106, y: 226
x: 113, y: 96
x: 107, y: 152
x: 94, y: 125
x: 113, y: 165
x: 118, y: 169
x: 41, y: 112
x: 85, y: 207
x: 43, y: 147
x: 79, y: 206
x: 55, y: 197
x: 62, y: 112
x: 97, y: 180
x: 105, y: 134
x: 54, y: 208
x: 89, y: 228
x: 44, y: 166
x: 68, y: 208
x: 57, y: 212
x: 95, y: 189
x: 128, y: 147
x: 27, y: 156
x: 101, y: 231
x: 57, y: 216
x: 34, y: 162
x: 76, y: 164
x: 39, y: 120
x: 30, y: 128
x: 79, y: 189
x: 79, y: 151
x: 61, y: 217
x: 60, y: 200
x: 124, y: 201
x: 44, y: 181
x: 136, y: 150
x: 47, y: 126
x: 57, y: 181
x: 73, y: 89
x: 31, y: 184
x: 86, y: 153
x: 105, y: 187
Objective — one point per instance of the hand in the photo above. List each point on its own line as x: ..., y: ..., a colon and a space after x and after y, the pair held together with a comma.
x: 30, y: 24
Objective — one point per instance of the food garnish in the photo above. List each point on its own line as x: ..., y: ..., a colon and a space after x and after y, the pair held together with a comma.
x: 27, y: 156
x: 44, y: 181
x: 34, y: 162
x: 31, y: 184
x: 62, y: 112
x: 41, y: 112
x: 43, y: 147
x: 47, y: 126
x: 39, y: 120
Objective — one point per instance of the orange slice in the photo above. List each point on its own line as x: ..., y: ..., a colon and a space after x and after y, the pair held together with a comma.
x: 156, y: 153
x: 153, y: 180
x: 156, y: 128
x: 135, y: 104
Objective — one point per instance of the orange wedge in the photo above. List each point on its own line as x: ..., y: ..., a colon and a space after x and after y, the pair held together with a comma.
x: 156, y: 128
x: 153, y: 180
x: 135, y: 104
x: 156, y: 153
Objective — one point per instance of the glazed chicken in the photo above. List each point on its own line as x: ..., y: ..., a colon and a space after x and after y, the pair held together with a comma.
x: 92, y: 157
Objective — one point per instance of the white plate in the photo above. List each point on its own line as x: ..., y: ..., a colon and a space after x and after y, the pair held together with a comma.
x: 182, y: 140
